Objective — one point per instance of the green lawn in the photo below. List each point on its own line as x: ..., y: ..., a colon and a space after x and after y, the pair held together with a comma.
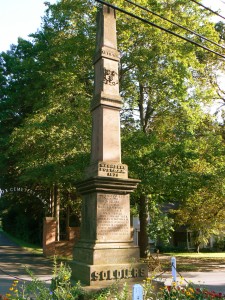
x: 198, y: 255
x: 193, y: 261
x: 27, y: 246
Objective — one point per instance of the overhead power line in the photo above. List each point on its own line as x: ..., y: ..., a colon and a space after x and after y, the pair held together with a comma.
x: 159, y: 27
x: 174, y: 23
x: 209, y: 9
x: 222, y: 1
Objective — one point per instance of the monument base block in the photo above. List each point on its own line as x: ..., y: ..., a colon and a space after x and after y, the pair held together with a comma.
x: 107, y: 274
x: 105, y: 253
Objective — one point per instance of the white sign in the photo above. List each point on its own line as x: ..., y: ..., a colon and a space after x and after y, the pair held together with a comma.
x: 137, y: 292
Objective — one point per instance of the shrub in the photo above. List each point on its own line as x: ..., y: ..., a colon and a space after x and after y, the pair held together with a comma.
x: 60, y: 288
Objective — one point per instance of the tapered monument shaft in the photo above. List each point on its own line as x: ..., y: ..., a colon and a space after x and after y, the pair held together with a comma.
x: 106, y: 104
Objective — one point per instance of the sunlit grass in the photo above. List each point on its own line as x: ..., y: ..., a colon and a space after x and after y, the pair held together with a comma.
x: 193, y: 261
x: 198, y: 255
x: 26, y: 246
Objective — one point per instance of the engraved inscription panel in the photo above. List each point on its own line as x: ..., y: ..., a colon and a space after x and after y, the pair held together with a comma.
x: 110, y: 53
x: 112, y: 170
x: 113, y: 221
x: 116, y: 274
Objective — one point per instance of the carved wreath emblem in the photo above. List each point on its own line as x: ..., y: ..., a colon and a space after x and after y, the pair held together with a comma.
x: 110, y: 77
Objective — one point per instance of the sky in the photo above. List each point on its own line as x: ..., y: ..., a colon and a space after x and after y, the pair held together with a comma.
x: 18, y: 18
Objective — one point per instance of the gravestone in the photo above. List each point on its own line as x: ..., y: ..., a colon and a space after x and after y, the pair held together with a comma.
x: 106, y: 252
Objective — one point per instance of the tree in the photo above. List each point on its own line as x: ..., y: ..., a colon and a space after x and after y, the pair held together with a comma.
x: 163, y: 81
x: 60, y: 117
x: 202, y: 210
x: 51, y: 141
x: 220, y: 27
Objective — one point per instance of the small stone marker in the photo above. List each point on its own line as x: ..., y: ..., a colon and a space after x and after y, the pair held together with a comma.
x: 174, y: 271
x: 137, y: 292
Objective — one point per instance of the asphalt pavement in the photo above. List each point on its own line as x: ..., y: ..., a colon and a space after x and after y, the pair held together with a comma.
x: 212, y: 280
x: 14, y: 262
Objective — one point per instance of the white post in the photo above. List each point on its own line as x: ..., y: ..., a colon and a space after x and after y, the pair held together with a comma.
x: 137, y: 292
x: 174, y: 272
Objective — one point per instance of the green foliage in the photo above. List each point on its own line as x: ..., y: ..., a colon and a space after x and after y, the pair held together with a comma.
x: 57, y: 133
x: 161, y: 225
x: 220, y: 27
x: 115, y: 291
x: 60, y: 289
x: 44, y: 105
x: 160, y: 72
x: 204, y: 214
x: 22, y: 218
x: 60, y: 285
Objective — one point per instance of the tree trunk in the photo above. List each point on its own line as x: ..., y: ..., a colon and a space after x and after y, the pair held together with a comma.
x: 57, y: 211
x: 52, y: 202
x: 143, y: 216
x: 67, y: 222
x: 198, y: 248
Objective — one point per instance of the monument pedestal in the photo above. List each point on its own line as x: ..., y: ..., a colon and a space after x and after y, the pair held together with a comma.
x: 106, y: 252
x: 106, y: 275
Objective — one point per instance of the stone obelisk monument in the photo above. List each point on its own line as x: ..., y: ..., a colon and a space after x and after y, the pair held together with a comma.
x: 105, y: 251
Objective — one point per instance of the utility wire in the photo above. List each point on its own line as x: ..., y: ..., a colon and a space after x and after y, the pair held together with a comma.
x: 174, y: 23
x: 222, y: 1
x: 159, y: 27
x: 207, y: 8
